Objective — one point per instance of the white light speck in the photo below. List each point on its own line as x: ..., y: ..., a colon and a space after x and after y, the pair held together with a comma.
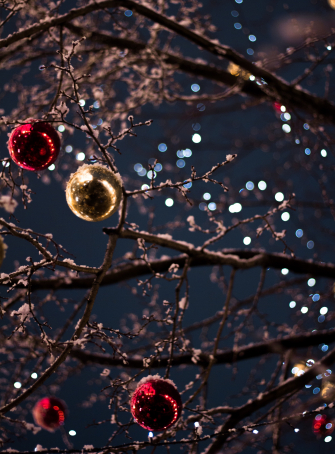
x: 286, y: 128
x: 311, y: 282
x: 82, y: 102
x: 72, y: 433
x: 247, y: 240
x: 80, y: 156
x: 34, y: 375
x: 61, y: 128
x: 292, y: 304
x: 262, y: 185
x: 284, y: 271
x: 323, y: 153
x: 68, y: 148
x: 17, y: 385
x: 196, y: 138
x: 304, y: 310
x: 328, y: 439
x: 252, y: 77
x: 285, y: 216
x: 323, y: 310
x: 279, y: 196
x: 169, y: 202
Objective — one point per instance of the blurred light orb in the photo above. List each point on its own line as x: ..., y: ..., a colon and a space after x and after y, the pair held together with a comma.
x: 235, y: 208
x: 196, y: 138
x: 156, y: 404
x: 331, y: 3
x: 246, y: 240
x: 279, y: 196
x: 311, y: 282
x: 262, y: 185
x: 169, y: 202
x: 323, y: 153
x: 285, y: 216
x: 94, y: 192
x: 299, y: 368
x: 34, y: 145
x: 328, y: 390
x: 323, y: 425
x: 49, y: 413
x: 237, y: 71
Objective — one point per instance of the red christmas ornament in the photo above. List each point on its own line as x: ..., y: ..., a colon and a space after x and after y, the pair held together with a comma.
x: 34, y: 146
x: 49, y: 413
x: 322, y: 425
x: 156, y: 403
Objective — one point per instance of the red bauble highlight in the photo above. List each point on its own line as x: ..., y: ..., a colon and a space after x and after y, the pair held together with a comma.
x: 50, y: 413
x: 34, y: 146
x: 322, y: 425
x: 156, y: 404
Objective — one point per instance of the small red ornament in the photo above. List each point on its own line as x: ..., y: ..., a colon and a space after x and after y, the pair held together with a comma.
x: 156, y: 403
x: 34, y: 146
x: 49, y: 413
x: 322, y: 425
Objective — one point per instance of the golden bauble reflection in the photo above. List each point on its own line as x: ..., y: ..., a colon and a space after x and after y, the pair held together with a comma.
x: 301, y: 367
x: 331, y: 3
x: 94, y: 192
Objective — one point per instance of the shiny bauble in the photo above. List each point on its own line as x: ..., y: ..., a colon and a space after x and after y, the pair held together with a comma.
x: 34, y: 146
x: 49, y: 413
x: 323, y: 425
x: 94, y: 192
x: 156, y: 404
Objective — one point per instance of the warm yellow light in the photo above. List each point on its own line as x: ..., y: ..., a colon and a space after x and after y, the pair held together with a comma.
x: 237, y: 71
x: 331, y: 3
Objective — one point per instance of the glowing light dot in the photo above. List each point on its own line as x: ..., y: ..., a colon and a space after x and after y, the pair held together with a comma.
x: 212, y: 206
x: 68, y: 148
x: 323, y: 310
x: 238, y: 26
x: 306, y: 126
x: 169, y: 202
x: 310, y: 244
x: 151, y: 174
x: 72, y: 433
x: 250, y: 51
x: 316, y: 297
x: 284, y: 271
x: 292, y: 304
x: 196, y: 138
x: 61, y: 128
x: 255, y: 431
x: 196, y: 424
x: 328, y: 439
x: 307, y: 151
x: 286, y: 128
x: 296, y: 430
x: 299, y: 233
x: 180, y: 153
x: 34, y: 375
x: 311, y: 282
x: 207, y: 196
x: 250, y: 185
x: 162, y: 147
x: 287, y: 116
x: 80, y: 156
x: 187, y: 153
x: 144, y: 186
x: 180, y: 163
x: 262, y: 185
x: 82, y: 102
x: 52, y: 167
x: 138, y: 167
x: 235, y: 208
x: 323, y: 153
x: 304, y: 310
x: 96, y: 104
x: 285, y: 216
x: 279, y: 196
x: 128, y: 13
x: 247, y: 240
x: 252, y: 38
x: 150, y: 434
x: 17, y: 385
x: 252, y: 77
x: 195, y: 87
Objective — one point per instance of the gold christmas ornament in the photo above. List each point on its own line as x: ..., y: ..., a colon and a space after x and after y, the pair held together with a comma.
x: 94, y: 192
